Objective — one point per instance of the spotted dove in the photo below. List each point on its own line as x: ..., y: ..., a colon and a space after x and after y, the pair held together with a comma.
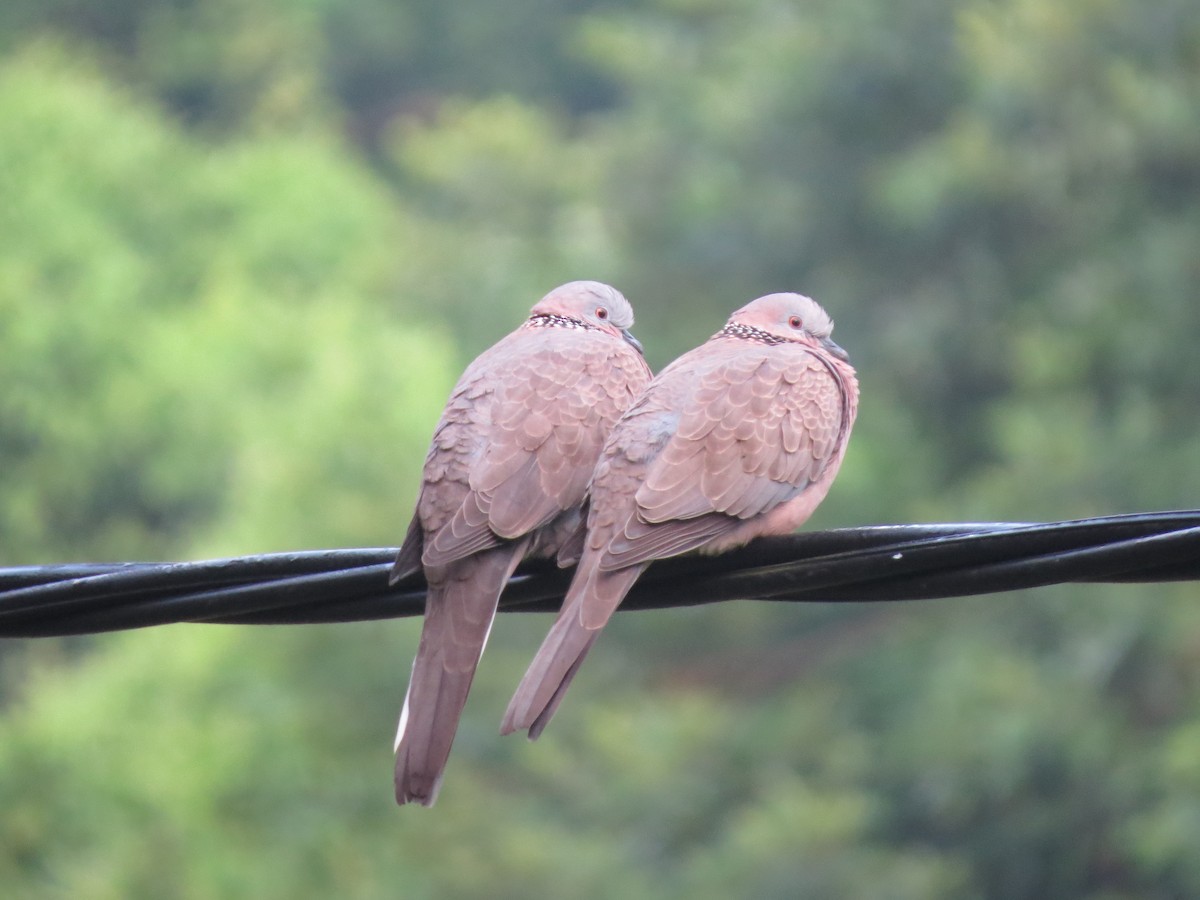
x: 737, y: 438
x: 505, y: 479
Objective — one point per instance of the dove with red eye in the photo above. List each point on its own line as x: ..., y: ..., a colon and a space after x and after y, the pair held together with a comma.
x: 738, y: 438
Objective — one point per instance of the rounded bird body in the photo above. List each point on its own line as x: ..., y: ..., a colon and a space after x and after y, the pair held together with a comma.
x: 505, y: 478
x: 738, y: 438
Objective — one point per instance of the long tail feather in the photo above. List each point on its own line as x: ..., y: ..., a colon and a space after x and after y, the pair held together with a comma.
x: 459, y: 610
x: 591, y: 600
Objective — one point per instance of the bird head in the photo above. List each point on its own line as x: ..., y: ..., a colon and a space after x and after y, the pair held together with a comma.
x: 593, y: 304
x: 788, y: 317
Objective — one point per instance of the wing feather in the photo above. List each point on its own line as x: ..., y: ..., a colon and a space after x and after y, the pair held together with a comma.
x: 517, y: 444
x: 753, y: 433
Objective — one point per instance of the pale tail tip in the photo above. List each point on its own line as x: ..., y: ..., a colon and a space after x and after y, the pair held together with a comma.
x: 404, y: 798
x: 508, y: 724
x: 416, y: 787
x: 515, y: 719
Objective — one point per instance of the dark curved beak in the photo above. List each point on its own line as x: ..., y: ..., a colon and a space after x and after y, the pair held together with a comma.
x: 835, y: 350
x: 632, y: 341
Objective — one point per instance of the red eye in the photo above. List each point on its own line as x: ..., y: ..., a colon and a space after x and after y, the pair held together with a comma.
x: 795, y: 322
x: 601, y: 313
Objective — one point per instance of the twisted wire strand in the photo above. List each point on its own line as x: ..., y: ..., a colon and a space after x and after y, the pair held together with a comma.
x: 874, y: 563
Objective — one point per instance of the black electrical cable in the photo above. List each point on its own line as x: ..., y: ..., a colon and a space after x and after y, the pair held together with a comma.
x: 887, y: 562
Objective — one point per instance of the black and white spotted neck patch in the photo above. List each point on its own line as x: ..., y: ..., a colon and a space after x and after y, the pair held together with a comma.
x: 750, y: 333
x: 550, y: 320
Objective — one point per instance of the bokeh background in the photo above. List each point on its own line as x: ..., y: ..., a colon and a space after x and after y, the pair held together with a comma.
x: 246, y: 246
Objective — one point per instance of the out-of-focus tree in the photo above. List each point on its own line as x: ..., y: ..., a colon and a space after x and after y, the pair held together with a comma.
x: 177, y: 322
x: 220, y: 65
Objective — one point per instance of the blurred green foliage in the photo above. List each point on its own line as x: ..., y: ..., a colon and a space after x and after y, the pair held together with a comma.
x: 244, y: 250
